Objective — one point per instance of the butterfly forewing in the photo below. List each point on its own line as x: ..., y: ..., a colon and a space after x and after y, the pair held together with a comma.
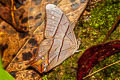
x: 53, y: 15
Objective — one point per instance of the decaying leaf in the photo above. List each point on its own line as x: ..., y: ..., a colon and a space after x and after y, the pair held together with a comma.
x: 12, y: 40
x: 26, y: 75
x: 95, y: 54
x: 13, y: 17
x: 5, y: 2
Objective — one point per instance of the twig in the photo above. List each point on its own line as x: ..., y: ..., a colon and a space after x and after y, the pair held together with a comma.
x: 101, y: 69
x: 114, y: 26
x: 12, y: 12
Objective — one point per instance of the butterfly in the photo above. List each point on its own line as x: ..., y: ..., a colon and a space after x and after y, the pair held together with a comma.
x: 59, y: 43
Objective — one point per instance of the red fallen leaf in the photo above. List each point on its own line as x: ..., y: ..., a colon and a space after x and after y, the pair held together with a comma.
x: 95, y: 54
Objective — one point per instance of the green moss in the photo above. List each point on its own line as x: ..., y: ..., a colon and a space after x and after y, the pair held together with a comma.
x: 93, y: 32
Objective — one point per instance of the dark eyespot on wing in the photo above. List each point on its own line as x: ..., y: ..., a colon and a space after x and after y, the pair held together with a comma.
x: 24, y: 20
x: 26, y: 56
x: 38, y: 16
x: 32, y: 42
x: 13, y: 73
x: 23, y: 35
x: 75, y: 6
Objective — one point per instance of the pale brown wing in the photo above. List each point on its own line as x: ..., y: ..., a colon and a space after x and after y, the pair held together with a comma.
x: 68, y: 48
x: 54, y: 16
x: 62, y: 41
